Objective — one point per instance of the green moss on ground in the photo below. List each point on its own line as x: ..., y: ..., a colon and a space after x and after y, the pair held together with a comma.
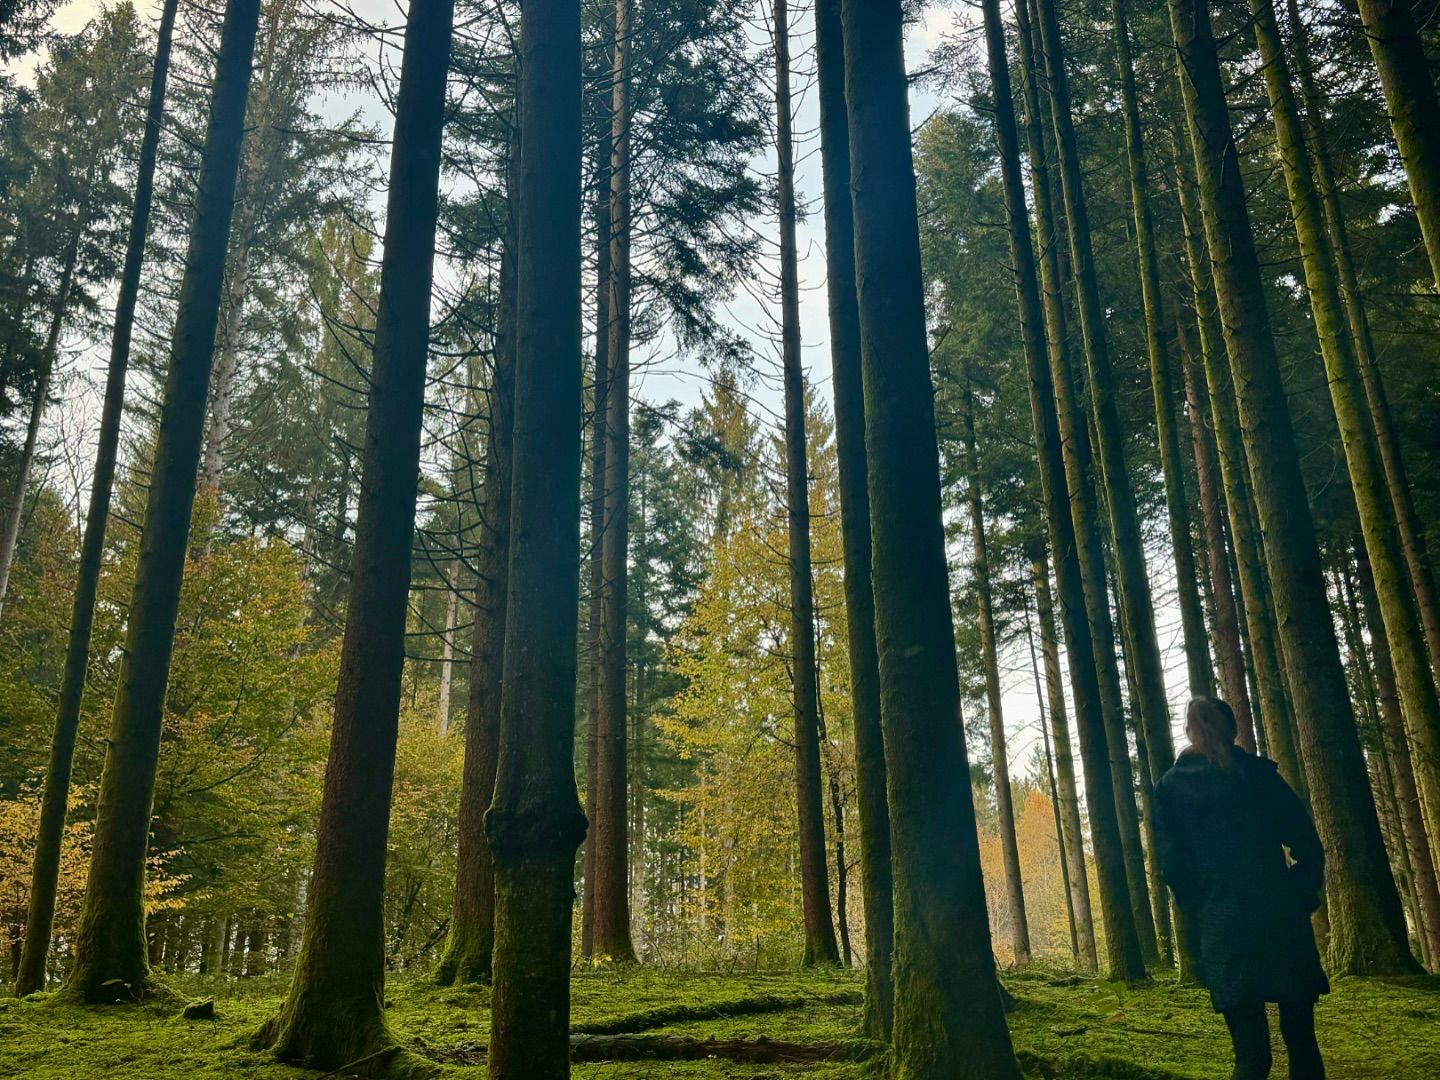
x: 1064, y: 1029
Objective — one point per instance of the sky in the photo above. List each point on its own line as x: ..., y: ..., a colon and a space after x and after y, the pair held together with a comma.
x: 663, y: 375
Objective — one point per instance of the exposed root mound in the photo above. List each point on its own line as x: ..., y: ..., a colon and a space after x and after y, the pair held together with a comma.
x: 381, y: 1059
x: 761, y: 1051
x: 666, y: 1015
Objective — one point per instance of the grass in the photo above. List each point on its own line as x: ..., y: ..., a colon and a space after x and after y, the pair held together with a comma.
x: 1065, y: 1028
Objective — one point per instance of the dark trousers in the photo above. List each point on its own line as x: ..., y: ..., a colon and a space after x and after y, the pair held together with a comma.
x: 1250, y: 1034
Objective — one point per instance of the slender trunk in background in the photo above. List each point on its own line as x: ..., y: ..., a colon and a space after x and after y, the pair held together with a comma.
x: 948, y: 1015
x: 819, y: 928
x: 110, y: 956
x: 609, y: 828
x: 1367, y: 925
x: 15, y: 511
x: 1271, y: 694
x: 447, y: 646
x: 1402, y: 626
x: 40, y: 917
x: 471, y: 938
x: 837, y: 813
x: 1064, y: 512
x: 1412, y: 106
x: 1000, y: 763
x: 1177, y: 505
x: 1229, y: 652
x: 849, y: 394
x: 334, y: 1013
x: 535, y: 822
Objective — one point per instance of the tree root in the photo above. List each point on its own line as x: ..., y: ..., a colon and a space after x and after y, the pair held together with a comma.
x: 666, y: 1015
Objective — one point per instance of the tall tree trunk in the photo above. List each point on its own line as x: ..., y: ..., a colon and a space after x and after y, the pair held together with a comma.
x: 15, y: 511
x: 1367, y: 926
x: 989, y: 658
x: 1229, y: 651
x: 110, y: 958
x: 819, y: 928
x: 447, y: 644
x: 1402, y: 627
x: 610, y: 828
x: 1063, y: 512
x: 1067, y: 799
x: 1085, y: 509
x: 948, y: 1016
x: 334, y: 1013
x: 40, y: 917
x: 535, y: 822
x: 471, y: 939
x: 849, y: 393
x: 1177, y: 505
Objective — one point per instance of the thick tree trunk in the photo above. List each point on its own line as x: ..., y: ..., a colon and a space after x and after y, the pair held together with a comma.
x: 535, y: 822
x: 819, y: 927
x: 1067, y: 798
x: 609, y: 829
x: 471, y: 939
x: 848, y: 391
x: 110, y: 959
x: 1367, y: 926
x: 989, y: 658
x: 1069, y: 522
x: 948, y: 1016
x: 334, y: 1013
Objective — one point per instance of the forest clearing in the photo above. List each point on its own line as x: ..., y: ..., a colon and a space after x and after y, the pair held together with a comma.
x: 714, y: 538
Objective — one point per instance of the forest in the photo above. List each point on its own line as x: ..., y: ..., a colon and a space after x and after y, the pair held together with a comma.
x: 649, y: 538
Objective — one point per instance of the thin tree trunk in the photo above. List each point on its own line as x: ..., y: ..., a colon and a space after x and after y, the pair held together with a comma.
x: 535, y: 822
x: 334, y: 1013
x: 447, y: 646
x: 948, y: 1016
x: 1367, y: 926
x: 110, y: 958
x: 1124, y: 956
x: 819, y: 928
x: 989, y: 658
x: 837, y: 813
x: 848, y: 390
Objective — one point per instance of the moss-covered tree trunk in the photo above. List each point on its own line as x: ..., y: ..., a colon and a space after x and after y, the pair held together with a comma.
x: 110, y: 954
x: 948, y: 1015
x: 609, y: 828
x: 1187, y: 581
x: 1367, y: 931
x: 1068, y: 800
x: 470, y: 942
x: 990, y: 662
x: 535, y: 823
x: 1070, y: 518
x: 848, y: 394
x: 819, y: 928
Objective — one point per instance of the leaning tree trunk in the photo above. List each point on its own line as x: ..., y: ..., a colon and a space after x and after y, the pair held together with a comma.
x: 535, y: 822
x: 609, y: 829
x: 1187, y: 580
x: 1069, y: 520
x: 334, y: 1013
x: 471, y: 939
x: 1084, y: 508
x: 948, y: 1015
x: 1402, y: 627
x: 1367, y: 926
x: 110, y: 955
x: 848, y: 391
x: 819, y: 928
x: 40, y: 916
x: 1004, y: 797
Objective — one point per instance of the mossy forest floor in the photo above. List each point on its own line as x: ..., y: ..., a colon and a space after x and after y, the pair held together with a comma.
x: 1064, y: 1027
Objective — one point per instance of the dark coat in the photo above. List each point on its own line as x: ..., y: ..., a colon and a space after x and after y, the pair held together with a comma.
x: 1221, y: 835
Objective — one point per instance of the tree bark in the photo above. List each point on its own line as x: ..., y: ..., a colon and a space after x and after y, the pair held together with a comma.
x: 535, y: 822
x: 948, y: 1016
x: 849, y: 393
x: 334, y: 1013
x: 110, y: 956
x: 1367, y: 931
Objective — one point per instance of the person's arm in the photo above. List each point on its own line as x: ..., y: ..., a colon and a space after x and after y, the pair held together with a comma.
x: 1297, y: 832
x: 1177, y: 866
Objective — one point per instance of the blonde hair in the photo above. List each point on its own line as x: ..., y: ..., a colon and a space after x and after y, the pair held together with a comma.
x: 1210, y: 723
